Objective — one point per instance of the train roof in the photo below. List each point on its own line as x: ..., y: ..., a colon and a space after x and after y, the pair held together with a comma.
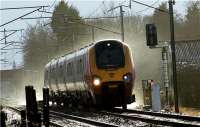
x: 82, y: 48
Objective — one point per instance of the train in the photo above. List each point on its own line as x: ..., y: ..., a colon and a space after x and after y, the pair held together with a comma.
x: 99, y: 74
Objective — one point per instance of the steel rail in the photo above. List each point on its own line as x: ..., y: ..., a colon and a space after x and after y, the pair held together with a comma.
x: 81, y: 119
x: 165, y: 115
x: 153, y: 120
x: 17, y: 110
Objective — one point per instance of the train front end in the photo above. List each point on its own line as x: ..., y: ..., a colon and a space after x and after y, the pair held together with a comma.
x: 112, y: 72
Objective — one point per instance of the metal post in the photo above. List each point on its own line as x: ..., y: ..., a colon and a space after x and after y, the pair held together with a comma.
x: 46, y: 107
x: 29, y: 112
x: 171, y: 3
x: 23, y: 118
x: 4, y: 31
x: 122, y: 23
x: 32, y: 114
x: 3, y: 119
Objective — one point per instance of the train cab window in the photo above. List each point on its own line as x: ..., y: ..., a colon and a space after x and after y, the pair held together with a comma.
x: 109, y: 54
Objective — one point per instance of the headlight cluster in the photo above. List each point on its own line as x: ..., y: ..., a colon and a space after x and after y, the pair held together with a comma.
x: 127, y: 77
x: 96, y: 81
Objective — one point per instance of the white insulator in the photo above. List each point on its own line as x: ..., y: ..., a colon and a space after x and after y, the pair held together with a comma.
x: 165, y: 67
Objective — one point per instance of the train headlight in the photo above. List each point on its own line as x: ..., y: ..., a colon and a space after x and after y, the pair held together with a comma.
x: 127, y: 77
x: 96, y: 81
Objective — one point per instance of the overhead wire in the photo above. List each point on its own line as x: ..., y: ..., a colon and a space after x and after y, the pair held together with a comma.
x: 14, y: 31
x: 8, y: 35
x: 20, y: 17
x: 97, y: 27
x: 161, y: 10
x: 2, y: 48
x: 11, y: 30
x: 147, y: 8
x: 93, y: 12
x: 21, y: 8
x: 52, y: 5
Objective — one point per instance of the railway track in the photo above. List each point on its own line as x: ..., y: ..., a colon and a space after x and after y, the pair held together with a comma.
x: 156, y: 118
x: 80, y: 119
x: 166, y: 115
x: 131, y: 115
x: 146, y: 117
x: 19, y: 109
x: 62, y: 116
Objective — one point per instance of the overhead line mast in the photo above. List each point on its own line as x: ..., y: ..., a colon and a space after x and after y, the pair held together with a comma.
x: 121, y: 18
x: 171, y: 13
x: 173, y: 48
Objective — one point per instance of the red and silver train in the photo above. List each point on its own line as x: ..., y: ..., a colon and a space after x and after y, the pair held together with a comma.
x: 101, y: 74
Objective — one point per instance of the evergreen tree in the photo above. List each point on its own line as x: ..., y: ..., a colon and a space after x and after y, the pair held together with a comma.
x: 66, y: 26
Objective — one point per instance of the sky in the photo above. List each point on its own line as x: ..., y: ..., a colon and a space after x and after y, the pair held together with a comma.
x: 87, y: 8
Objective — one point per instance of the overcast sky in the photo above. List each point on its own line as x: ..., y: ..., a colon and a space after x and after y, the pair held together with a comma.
x: 86, y: 8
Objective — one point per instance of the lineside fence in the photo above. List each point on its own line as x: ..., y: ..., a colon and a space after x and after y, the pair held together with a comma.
x: 188, y: 72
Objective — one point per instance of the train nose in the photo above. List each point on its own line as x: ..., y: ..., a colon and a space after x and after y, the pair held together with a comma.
x: 113, y: 91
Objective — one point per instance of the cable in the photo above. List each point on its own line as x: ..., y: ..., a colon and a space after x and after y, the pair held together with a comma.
x: 97, y: 27
x: 70, y: 17
x: 8, y: 35
x: 149, y: 6
x: 35, y: 18
x: 93, y: 12
x: 106, y: 17
x: 5, y: 46
x: 11, y: 30
x: 46, y: 12
x: 22, y: 7
x: 12, y: 48
x: 20, y: 17
x: 122, y: 2
x: 52, y: 5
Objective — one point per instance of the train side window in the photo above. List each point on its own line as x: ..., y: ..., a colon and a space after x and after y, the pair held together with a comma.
x: 69, y: 69
x: 47, y: 75
x: 52, y: 75
x: 81, y: 65
x: 84, y: 61
x: 61, y: 70
x: 55, y: 77
x: 77, y: 67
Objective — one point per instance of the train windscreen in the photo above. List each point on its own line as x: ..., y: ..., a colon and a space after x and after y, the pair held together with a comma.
x: 109, y: 54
